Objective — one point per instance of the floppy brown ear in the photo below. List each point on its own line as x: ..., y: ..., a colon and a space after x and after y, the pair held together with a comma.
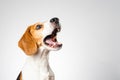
x: 27, y: 43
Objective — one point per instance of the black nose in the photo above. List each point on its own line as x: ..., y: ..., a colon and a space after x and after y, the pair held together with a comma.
x: 54, y: 20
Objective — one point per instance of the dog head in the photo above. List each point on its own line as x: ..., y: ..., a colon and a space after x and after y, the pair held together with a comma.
x: 42, y: 34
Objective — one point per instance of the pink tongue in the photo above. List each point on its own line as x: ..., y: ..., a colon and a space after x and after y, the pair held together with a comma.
x: 50, y: 42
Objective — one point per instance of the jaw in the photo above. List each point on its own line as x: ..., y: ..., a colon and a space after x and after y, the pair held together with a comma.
x: 50, y: 48
x: 50, y: 40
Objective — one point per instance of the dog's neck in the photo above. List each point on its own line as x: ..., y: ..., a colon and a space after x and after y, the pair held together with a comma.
x: 37, y: 66
x: 42, y: 52
x: 41, y: 58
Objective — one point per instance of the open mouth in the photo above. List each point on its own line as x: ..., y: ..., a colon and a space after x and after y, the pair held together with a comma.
x: 51, y: 40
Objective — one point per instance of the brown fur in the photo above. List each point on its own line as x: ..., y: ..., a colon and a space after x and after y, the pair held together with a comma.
x: 19, y: 76
x: 27, y: 43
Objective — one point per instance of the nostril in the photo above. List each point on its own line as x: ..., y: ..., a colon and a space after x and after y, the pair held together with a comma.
x: 55, y: 19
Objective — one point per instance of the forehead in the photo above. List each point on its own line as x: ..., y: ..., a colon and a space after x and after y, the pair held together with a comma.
x: 33, y: 26
x: 42, y: 23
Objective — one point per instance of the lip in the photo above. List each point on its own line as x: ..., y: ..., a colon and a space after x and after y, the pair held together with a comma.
x: 51, y: 42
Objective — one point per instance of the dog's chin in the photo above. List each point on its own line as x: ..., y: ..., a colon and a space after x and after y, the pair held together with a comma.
x: 51, y: 48
x: 50, y: 42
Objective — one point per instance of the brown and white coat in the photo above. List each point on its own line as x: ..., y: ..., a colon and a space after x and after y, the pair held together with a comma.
x: 37, y: 41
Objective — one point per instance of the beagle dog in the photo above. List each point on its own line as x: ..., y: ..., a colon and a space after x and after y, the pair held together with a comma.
x: 38, y: 40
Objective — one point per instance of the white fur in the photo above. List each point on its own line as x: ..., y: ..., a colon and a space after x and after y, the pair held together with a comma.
x: 48, y: 28
x: 37, y: 66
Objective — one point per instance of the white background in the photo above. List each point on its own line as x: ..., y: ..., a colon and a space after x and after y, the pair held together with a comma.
x: 90, y: 36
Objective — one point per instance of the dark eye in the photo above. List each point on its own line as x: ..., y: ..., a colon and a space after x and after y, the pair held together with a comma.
x: 38, y: 27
